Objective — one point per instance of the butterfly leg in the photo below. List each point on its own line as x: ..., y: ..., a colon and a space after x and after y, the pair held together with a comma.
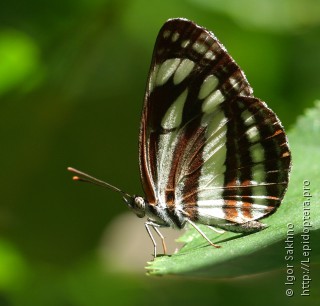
x: 216, y: 230
x: 155, y: 227
x: 202, y: 234
x: 162, y: 240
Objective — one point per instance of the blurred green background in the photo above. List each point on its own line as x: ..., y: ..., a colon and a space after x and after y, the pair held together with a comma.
x: 72, y: 81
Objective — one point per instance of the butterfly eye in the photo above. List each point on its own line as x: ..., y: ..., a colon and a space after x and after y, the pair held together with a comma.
x: 138, y: 205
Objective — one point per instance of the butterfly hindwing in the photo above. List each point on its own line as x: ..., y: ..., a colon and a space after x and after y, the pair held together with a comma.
x: 209, y: 150
x: 253, y: 176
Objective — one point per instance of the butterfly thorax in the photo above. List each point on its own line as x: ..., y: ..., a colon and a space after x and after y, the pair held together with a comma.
x: 158, y: 214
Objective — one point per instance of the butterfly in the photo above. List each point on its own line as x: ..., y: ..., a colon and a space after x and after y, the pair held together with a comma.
x: 209, y: 151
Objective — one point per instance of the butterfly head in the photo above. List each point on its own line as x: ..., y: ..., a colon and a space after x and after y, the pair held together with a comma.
x: 137, y: 204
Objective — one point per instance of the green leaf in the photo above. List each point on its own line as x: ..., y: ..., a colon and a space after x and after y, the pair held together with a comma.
x: 240, y: 254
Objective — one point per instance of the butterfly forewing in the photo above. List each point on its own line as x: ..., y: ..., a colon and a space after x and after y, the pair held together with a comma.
x: 209, y: 150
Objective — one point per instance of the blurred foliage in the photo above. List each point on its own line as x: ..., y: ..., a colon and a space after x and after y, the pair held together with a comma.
x: 271, y: 15
x: 72, y: 79
x: 19, y: 58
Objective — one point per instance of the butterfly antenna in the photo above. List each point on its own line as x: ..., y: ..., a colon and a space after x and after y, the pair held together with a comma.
x: 84, y: 177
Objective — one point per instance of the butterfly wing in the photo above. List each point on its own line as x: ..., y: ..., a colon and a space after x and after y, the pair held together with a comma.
x: 209, y: 150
